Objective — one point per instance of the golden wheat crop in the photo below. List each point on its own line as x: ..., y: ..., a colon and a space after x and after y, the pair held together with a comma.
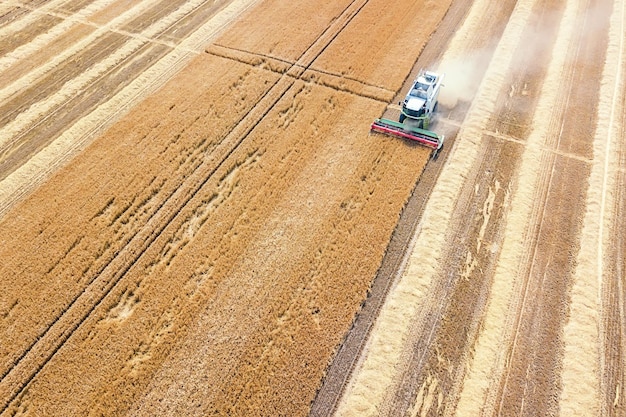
x: 211, y: 249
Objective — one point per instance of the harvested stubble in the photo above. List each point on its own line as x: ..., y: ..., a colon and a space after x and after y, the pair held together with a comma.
x: 245, y: 294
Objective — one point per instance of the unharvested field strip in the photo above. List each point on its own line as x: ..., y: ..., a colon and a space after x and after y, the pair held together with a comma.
x: 318, y: 257
x: 205, y: 33
x: 32, y: 360
x: 347, y: 84
x: 326, y: 38
x: 287, y: 115
x: 273, y: 63
x: 352, y: 346
x: 69, y: 319
x: 163, y: 215
x: 263, y: 286
x: 361, y: 60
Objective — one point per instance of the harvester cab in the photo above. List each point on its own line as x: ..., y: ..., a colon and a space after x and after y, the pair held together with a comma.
x: 421, y: 101
x: 418, y: 107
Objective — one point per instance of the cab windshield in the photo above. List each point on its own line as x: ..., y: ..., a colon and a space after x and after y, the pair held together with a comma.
x: 419, y: 90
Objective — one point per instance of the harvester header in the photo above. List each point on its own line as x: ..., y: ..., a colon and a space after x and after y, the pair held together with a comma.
x: 400, y: 130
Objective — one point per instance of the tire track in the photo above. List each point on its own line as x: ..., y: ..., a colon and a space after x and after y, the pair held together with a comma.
x: 45, y: 347
x: 329, y: 79
x: 592, y: 337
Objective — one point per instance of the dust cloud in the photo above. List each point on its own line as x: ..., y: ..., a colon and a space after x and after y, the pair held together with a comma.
x: 463, y: 75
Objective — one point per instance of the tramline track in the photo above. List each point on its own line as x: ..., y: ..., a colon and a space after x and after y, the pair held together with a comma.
x: 34, y: 358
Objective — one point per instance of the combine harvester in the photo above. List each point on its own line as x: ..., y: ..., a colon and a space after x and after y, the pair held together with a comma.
x: 418, y: 106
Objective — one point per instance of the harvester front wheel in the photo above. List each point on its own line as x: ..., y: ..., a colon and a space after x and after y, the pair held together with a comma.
x: 402, y: 118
